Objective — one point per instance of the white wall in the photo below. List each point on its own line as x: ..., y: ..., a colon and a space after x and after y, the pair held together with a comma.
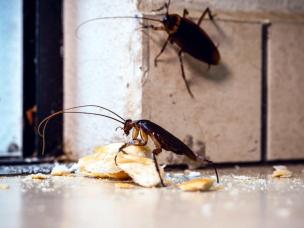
x: 102, y: 67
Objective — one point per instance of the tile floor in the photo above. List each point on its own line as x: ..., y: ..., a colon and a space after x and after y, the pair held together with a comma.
x: 249, y: 198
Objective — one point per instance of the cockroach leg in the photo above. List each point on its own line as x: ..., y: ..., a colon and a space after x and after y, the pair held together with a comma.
x: 160, y: 8
x: 165, y: 6
x: 136, y: 142
x: 213, y: 165
x: 183, y: 72
x: 115, y: 158
x: 118, y: 128
x: 185, y: 13
x: 121, y: 150
x: 161, y: 51
x: 156, y: 28
x: 159, y: 28
x: 154, y: 153
x: 135, y: 133
x: 207, y: 11
x: 144, y: 138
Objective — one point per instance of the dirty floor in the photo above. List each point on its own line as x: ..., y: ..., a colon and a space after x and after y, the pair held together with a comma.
x: 249, y: 197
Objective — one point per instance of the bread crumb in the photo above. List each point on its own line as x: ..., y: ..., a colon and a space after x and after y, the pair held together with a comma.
x: 121, y: 175
x: 141, y: 169
x: 4, y: 186
x: 125, y: 185
x: 39, y: 176
x: 60, y: 170
x: 281, y: 171
x: 218, y: 187
x: 199, y: 184
x: 101, y: 164
x: 135, y: 163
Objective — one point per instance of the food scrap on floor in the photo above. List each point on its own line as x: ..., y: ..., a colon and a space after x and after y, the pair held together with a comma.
x: 4, y: 186
x: 125, y: 185
x: 281, y: 171
x: 60, y: 170
x: 134, y: 162
x: 198, y: 184
x: 39, y: 176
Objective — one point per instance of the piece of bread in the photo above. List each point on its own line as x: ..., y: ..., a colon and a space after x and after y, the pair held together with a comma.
x: 101, y: 163
x: 281, y: 171
x: 135, y: 164
x: 198, y: 184
x: 125, y: 185
x: 39, y: 176
x: 4, y: 186
x: 141, y: 169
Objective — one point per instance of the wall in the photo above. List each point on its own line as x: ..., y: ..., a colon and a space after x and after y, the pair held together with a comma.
x: 102, y: 67
x: 248, y: 108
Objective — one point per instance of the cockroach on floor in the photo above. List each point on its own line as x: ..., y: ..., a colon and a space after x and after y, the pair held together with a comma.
x: 187, y: 35
x: 141, y: 131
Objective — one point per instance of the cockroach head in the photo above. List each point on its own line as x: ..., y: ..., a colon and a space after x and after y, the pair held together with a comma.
x: 171, y: 22
x: 128, y: 126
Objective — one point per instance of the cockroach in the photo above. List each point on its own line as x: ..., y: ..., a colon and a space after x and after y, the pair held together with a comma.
x: 141, y: 131
x: 187, y: 35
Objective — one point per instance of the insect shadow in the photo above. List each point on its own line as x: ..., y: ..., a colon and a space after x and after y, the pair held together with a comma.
x: 217, y: 74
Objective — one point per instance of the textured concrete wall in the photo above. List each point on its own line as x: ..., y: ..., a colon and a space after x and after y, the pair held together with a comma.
x: 222, y: 122
x: 259, y: 64
x: 286, y: 86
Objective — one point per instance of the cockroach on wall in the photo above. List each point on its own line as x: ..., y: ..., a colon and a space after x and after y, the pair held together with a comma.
x: 187, y: 35
x: 141, y: 131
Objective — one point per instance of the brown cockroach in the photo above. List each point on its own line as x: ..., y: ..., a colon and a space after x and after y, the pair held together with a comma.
x: 187, y: 35
x: 141, y: 131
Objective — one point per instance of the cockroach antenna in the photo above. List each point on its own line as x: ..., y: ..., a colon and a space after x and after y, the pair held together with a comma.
x: 42, y: 125
x: 118, y: 17
x: 97, y: 106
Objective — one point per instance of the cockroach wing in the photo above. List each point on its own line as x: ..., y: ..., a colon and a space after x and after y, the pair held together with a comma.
x: 195, y: 41
x: 166, y: 139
